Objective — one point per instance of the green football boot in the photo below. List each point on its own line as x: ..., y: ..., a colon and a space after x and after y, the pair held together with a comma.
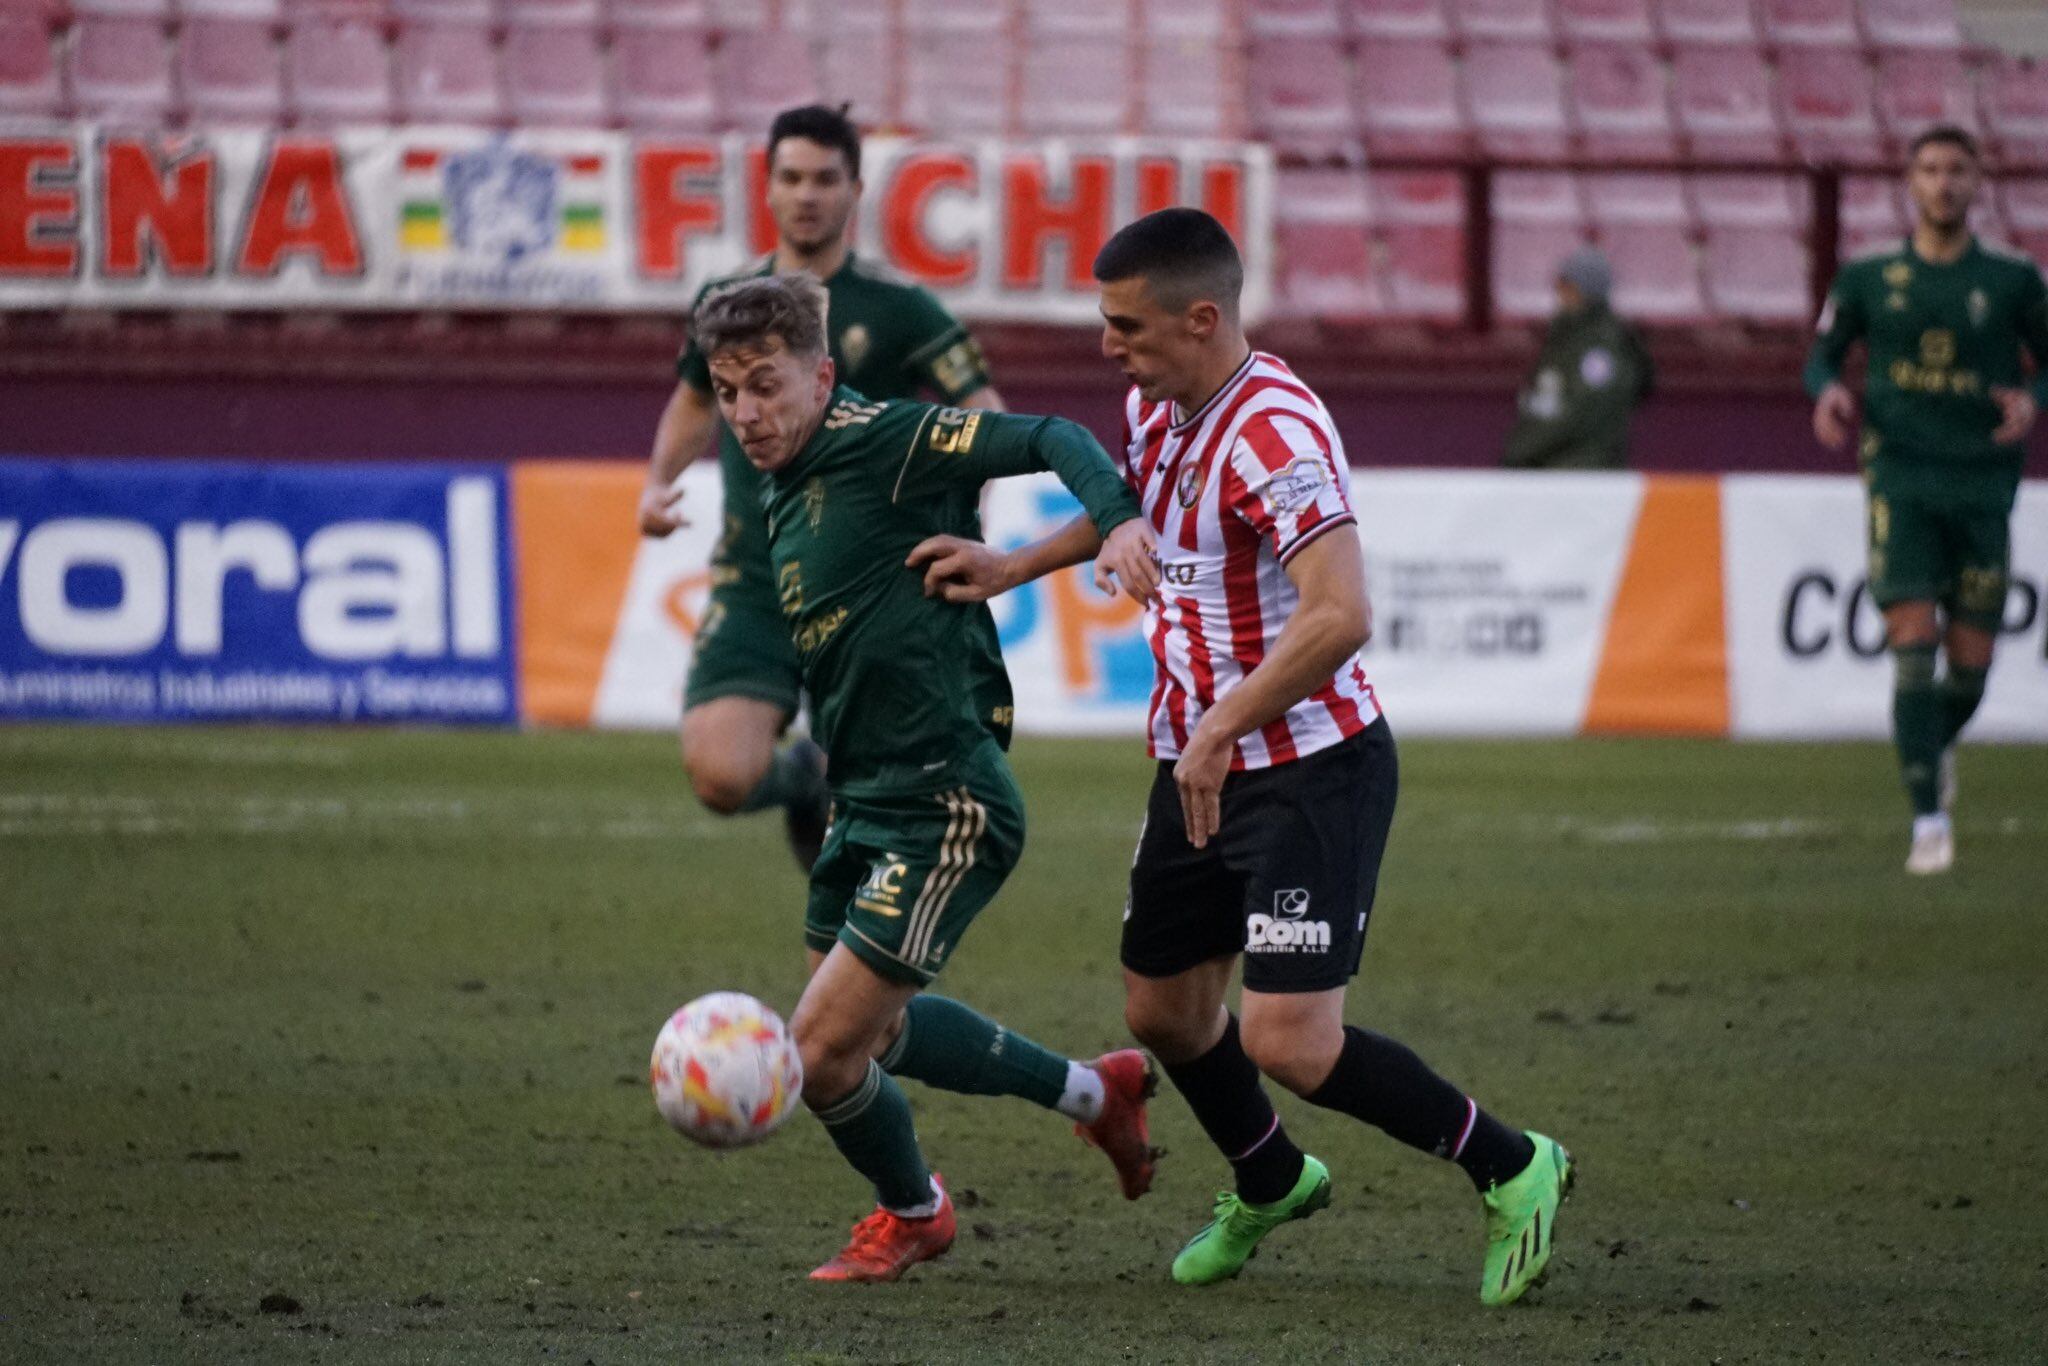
x: 1521, y: 1223
x: 1228, y: 1241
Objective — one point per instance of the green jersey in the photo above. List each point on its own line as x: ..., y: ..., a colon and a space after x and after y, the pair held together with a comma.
x: 1940, y: 339
x: 1574, y: 413
x: 898, y: 698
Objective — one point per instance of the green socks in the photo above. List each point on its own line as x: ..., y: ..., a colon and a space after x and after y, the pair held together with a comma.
x: 1961, y: 691
x: 949, y: 1046
x: 872, y: 1130
x: 789, y: 781
x: 1919, y: 726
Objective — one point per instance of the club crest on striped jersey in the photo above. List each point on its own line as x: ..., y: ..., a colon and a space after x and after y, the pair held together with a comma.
x: 1188, y: 488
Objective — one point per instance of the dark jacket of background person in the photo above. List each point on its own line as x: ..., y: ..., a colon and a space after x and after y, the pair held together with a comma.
x: 1574, y: 412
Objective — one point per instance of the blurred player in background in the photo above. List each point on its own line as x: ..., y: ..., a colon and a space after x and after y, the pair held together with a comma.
x: 1946, y: 410
x: 1276, y: 779
x: 889, y: 339
x: 915, y: 717
x: 1592, y: 372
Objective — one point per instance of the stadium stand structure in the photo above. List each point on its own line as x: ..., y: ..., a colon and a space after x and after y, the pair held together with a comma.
x: 1437, y: 156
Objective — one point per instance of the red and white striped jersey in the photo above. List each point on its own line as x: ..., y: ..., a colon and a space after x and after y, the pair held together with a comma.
x: 1234, y: 491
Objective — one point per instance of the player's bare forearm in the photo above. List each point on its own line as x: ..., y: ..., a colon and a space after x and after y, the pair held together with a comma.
x: 1331, y: 623
x: 681, y: 435
x: 1075, y: 543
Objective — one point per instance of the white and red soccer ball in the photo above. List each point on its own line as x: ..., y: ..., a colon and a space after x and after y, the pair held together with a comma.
x: 725, y: 1071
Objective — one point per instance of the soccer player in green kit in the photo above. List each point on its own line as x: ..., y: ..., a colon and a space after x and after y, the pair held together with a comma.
x: 1946, y: 408
x: 927, y: 820
x: 889, y: 339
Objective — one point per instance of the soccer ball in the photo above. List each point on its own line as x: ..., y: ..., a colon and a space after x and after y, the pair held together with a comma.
x: 725, y: 1071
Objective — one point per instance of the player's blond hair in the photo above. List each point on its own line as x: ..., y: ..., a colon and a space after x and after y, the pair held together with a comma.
x: 752, y: 315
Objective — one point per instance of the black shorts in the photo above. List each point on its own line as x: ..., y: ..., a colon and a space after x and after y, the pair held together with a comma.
x: 1287, y: 881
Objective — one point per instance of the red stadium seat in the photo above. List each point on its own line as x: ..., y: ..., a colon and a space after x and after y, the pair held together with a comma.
x: 2016, y: 107
x: 2024, y: 203
x: 1526, y: 21
x: 1752, y: 201
x: 1708, y: 21
x: 270, y: 11
x: 760, y: 73
x: 337, y: 71
x: 1916, y: 89
x: 120, y: 68
x: 1811, y: 23
x: 1434, y: 197
x: 661, y: 79
x: 1294, y: 18
x: 1425, y: 270
x: 1758, y: 275
x: 1516, y: 94
x: 1399, y: 18
x: 2032, y: 244
x: 554, y: 75
x: 1322, y: 243
x: 853, y: 69
x: 692, y: 15
x: 1408, y: 99
x: 1074, y: 85
x: 1079, y: 18
x: 1299, y: 94
x: 230, y: 71
x: 1186, y: 19
x: 1613, y: 200
x: 1828, y: 104
x: 447, y: 73
x: 1871, y: 216
x: 947, y: 86
x: 117, y: 9
x: 1538, y: 197
x: 330, y: 11
x: 1606, y: 21
x: 1525, y: 261
x: 1189, y: 89
x: 953, y: 16
x: 795, y: 16
x: 566, y: 13
x: 1621, y: 102
x: 1725, y: 105
x: 453, y: 12
x: 1656, y: 276
x: 28, y: 68
x: 1912, y: 23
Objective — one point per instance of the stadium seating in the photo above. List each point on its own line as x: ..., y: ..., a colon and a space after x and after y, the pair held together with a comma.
x: 948, y: 84
x: 1516, y: 94
x: 853, y: 70
x: 230, y: 70
x: 1920, y: 87
x: 1606, y: 21
x: 1759, y: 274
x: 120, y: 68
x: 1180, y: 81
x: 661, y: 79
x: 1912, y: 23
x: 1871, y: 215
x: 1400, y: 19
x: 447, y: 73
x: 1299, y: 94
x: 1539, y: 219
x: 1725, y: 103
x: 1293, y: 19
x: 1073, y: 85
x: 554, y: 74
x: 761, y: 71
x: 1408, y: 99
x: 1656, y: 276
x: 28, y: 67
x: 1522, y: 21
x: 1709, y: 21
x: 1324, y: 263
x: 1621, y: 103
x: 1779, y: 202
x: 1811, y: 23
x: 1828, y: 103
x: 2016, y: 108
x: 337, y: 71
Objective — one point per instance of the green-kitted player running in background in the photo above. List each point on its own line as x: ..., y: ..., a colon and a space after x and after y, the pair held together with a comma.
x: 1946, y: 408
x: 889, y: 339
x: 927, y: 819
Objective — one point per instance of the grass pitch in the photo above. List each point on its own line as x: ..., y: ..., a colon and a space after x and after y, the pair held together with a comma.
x: 331, y: 1047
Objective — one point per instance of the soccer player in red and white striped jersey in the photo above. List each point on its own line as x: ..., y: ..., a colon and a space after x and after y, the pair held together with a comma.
x: 1276, y: 781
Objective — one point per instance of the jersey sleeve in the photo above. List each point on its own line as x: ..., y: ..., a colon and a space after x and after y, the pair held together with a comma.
x: 691, y: 367
x: 1285, y: 483
x: 964, y: 448
x: 941, y: 355
x: 1841, y: 324
x: 2034, y: 331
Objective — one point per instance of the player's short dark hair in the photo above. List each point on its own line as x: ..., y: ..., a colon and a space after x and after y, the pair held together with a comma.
x: 1945, y: 135
x: 754, y: 314
x: 1183, y: 256
x: 826, y: 127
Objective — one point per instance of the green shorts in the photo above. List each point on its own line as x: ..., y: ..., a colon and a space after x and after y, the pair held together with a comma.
x: 743, y: 649
x: 901, y: 878
x: 1926, y: 550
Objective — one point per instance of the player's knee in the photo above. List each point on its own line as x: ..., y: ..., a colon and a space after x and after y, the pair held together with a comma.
x: 833, y: 1067
x: 1296, y: 1057
x: 719, y: 788
x: 1172, y: 1035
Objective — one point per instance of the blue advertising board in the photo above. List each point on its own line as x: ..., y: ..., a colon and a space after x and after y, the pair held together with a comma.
x: 194, y: 591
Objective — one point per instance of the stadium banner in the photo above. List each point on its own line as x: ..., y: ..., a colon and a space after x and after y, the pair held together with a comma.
x: 419, y: 217
x: 189, y: 591
x: 1806, y: 643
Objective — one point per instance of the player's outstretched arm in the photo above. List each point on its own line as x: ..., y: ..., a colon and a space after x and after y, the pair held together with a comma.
x: 683, y: 432
x: 960, y: 570
x: 1328, y: 626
